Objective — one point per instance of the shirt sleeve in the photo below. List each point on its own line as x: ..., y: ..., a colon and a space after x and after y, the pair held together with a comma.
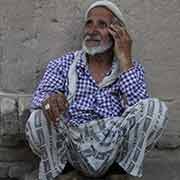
x: 53, y: 80
x: 133, y: 85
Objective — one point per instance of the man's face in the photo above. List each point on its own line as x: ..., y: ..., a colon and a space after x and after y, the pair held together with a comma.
x: 96, y: 36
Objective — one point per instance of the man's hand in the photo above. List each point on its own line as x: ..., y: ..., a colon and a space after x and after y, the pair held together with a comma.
x: 54, y: 106
x: 122, y: 45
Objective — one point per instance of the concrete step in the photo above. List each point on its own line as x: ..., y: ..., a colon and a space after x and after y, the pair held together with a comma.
x: 158, y: 165
x: 162, y: 165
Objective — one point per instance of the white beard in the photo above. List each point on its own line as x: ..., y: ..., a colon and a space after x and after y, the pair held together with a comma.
x: 97, y: 49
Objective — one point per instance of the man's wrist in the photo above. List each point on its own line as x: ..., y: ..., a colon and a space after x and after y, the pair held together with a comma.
x: 125, y: 64
x: 126, y: 67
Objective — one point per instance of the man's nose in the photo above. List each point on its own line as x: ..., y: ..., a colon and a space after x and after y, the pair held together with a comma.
x: 93, y: 29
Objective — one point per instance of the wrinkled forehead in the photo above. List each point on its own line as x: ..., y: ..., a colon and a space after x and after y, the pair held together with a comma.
x: 100, y: 11
x: 100, y: 14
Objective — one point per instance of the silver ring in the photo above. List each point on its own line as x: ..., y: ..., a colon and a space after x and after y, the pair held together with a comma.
x: 47, y: 106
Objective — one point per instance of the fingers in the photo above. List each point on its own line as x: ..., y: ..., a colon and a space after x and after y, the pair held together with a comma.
x: 47, y: 107
x: 46, y: 110
x: 54, y: 106
x: 119, y: 32
x: 54, y: 109
x: 62, y: 102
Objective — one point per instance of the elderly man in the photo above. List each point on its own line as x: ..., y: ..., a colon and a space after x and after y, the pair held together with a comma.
x: 91, y: 108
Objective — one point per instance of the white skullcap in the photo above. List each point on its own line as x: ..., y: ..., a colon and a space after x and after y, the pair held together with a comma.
x: 109, y: 5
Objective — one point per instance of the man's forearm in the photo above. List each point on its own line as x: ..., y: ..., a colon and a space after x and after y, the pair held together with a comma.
x: 133, y: 85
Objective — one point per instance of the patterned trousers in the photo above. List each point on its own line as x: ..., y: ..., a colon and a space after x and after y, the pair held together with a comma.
x: 94, y: 146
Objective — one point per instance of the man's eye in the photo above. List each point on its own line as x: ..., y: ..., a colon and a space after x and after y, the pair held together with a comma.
x: 102, y: 25
x: 121, y: 24
x: 88, y: 23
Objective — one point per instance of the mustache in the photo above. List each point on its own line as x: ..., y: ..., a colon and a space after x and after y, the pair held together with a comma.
x: 93, y: 37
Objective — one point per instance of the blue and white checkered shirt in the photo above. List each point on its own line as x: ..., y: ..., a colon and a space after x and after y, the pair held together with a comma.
x: 90, y: 102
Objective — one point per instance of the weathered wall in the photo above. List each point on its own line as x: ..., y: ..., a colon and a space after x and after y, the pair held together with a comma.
x: 34, y: 31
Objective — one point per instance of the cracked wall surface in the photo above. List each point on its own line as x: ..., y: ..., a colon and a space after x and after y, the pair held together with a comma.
x: 34, y: 31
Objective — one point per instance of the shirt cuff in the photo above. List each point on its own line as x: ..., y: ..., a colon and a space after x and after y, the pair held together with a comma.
x: 129, y: 80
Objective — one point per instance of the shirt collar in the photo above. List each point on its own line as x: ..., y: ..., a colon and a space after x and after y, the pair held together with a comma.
x: 82, y: 62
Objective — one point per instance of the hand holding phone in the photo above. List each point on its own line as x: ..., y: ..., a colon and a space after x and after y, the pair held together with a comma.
x: 122, y: 44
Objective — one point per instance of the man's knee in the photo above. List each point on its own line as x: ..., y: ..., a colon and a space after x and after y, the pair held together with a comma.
x: 34, y: 120
x: 155, y: 112
x: 33, y: 128
x: 154, y: 105
x: 151, y: 112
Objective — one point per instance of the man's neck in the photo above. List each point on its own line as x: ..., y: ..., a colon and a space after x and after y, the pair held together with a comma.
x: 102, y: 59
x: 99, y: 65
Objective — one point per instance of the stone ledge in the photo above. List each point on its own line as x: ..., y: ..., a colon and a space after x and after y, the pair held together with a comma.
x: 14, y: 111
x: 17, y: 169
x: 16, y: 159
x: 16, y: 154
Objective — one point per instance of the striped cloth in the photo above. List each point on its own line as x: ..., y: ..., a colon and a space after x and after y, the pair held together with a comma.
x: 92, y: 147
